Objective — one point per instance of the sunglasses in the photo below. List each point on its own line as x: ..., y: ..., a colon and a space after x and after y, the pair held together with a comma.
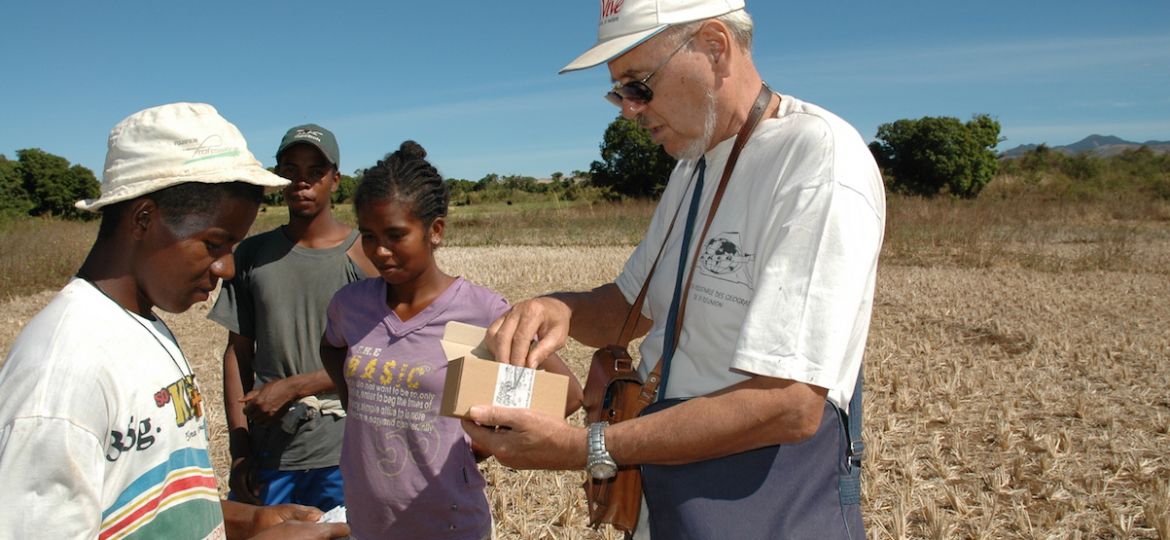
x: 638, y: 91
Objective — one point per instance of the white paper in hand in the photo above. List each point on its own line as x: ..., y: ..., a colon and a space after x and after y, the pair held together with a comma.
x: 336, y: 515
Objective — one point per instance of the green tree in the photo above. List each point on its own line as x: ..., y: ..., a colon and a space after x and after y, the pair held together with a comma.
x: 14, y: 200
x: 489, y: 180
x: 345, y: 189
x: 632, y: 164
x: 932, y: 154
x: 54, y: 185
x: 459, y: 189
x: 276, y: 198
x: 520, y: 183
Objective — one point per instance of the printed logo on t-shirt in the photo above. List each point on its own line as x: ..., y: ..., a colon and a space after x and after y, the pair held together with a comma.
x: 388, y: 396
x: 139, y: 434
x: 186, y: 397
x: 723, y: 258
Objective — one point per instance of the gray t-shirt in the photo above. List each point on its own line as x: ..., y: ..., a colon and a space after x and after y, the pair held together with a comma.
x: 278, y: 298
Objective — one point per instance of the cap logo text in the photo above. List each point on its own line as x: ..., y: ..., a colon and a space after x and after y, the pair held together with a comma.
x: 212, y: 147
x: 609, y: 8
x: 308, y: 134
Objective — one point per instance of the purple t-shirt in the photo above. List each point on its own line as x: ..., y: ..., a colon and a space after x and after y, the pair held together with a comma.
x: 408, y: 472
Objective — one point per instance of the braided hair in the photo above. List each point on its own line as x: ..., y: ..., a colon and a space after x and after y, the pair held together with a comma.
x: 407, y: 177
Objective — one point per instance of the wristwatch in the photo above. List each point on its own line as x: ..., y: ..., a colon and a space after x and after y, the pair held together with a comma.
x: 599, y: 464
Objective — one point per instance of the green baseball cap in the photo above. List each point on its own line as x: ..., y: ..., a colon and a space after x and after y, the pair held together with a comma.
x: 315, y: 135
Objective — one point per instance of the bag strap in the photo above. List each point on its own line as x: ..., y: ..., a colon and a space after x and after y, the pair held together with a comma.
x: 658, y: 376
x: 627, y: 332
x: 849, y: 484
x: 856, y: 446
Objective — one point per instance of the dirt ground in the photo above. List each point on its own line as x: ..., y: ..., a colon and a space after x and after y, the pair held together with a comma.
x: 999, y: 402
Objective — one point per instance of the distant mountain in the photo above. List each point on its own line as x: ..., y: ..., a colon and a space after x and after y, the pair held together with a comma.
x: 1098, y: 145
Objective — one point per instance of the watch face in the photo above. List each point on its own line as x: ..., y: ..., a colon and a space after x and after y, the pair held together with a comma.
x: 602, y: 469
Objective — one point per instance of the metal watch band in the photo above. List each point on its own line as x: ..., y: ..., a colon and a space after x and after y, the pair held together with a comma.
x: 597, y: 439
x: 599, y: 463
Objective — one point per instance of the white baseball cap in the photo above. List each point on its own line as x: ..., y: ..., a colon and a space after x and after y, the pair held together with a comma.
x: 173, y: 144
x: 625, y: 24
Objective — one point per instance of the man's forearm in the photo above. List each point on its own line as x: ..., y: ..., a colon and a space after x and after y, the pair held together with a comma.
x: 332, y: 359
x: 311, y: 384
x: 233, y: 391
x: 598, y: 315
x: 761, y: 411
x: 758, y: 412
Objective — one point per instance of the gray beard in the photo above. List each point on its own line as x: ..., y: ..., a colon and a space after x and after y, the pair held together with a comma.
x: 698, y: 147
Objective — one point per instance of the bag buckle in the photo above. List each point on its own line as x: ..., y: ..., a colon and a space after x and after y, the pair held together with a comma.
x: 649, y: 390
x: 856, y: 452
x: 623, y: 363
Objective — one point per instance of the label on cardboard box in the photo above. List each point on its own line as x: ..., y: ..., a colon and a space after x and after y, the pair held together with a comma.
x: 474, y: 378
x: 514, y: 386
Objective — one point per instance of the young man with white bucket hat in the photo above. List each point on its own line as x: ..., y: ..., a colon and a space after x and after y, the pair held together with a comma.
x: 754, y: 432
x: 102, y: 426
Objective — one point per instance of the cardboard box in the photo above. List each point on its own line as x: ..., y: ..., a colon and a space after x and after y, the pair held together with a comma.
x: 474, y: 378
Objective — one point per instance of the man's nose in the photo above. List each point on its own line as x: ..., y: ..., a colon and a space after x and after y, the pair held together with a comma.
x: 224, y: 267
x: 631, y: 108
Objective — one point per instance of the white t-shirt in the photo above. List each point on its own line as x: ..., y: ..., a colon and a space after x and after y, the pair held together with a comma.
x: 98, y: 428
x: 786, y: 276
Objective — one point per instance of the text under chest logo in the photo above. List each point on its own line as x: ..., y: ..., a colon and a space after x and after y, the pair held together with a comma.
x: 723, y: 258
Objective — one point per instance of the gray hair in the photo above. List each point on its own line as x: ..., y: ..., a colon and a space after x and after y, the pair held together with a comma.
x: 739, y: 22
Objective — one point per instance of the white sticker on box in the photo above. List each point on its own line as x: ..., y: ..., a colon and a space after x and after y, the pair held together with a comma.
x: 514, y: 386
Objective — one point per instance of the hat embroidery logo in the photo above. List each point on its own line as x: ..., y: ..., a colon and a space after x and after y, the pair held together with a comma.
x: 309, y: 134
x: 610, y: 9
x: 212, y: 148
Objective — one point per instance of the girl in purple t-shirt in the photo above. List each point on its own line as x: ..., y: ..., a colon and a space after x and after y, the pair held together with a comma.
x: 408, y: 472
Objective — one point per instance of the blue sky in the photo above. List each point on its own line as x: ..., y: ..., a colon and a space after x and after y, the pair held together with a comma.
x: 475, y: 82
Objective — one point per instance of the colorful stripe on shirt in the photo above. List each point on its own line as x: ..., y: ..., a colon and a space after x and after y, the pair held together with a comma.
x: 178, y: 496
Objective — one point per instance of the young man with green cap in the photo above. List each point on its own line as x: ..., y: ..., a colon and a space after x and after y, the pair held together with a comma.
x: 102, y: 426
x: 284, y: 420
x: 756, y: 316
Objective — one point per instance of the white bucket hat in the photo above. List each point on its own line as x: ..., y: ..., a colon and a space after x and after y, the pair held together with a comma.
x: 626, y: 23
x: 174, y: 144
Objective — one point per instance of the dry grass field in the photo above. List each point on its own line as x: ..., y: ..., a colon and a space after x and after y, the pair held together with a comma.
x: 1017, y: 375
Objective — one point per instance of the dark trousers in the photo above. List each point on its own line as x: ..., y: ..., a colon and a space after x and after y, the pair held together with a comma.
x: 789, y: 491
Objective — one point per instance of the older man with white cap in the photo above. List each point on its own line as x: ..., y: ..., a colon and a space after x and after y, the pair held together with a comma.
x: 758, y: 313
x: 103, y: 431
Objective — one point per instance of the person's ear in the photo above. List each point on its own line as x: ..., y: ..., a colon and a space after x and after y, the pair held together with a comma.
x: 336, y: 174
x: 715, y: 41
x: 142, y: 213
x: 436, y: 232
